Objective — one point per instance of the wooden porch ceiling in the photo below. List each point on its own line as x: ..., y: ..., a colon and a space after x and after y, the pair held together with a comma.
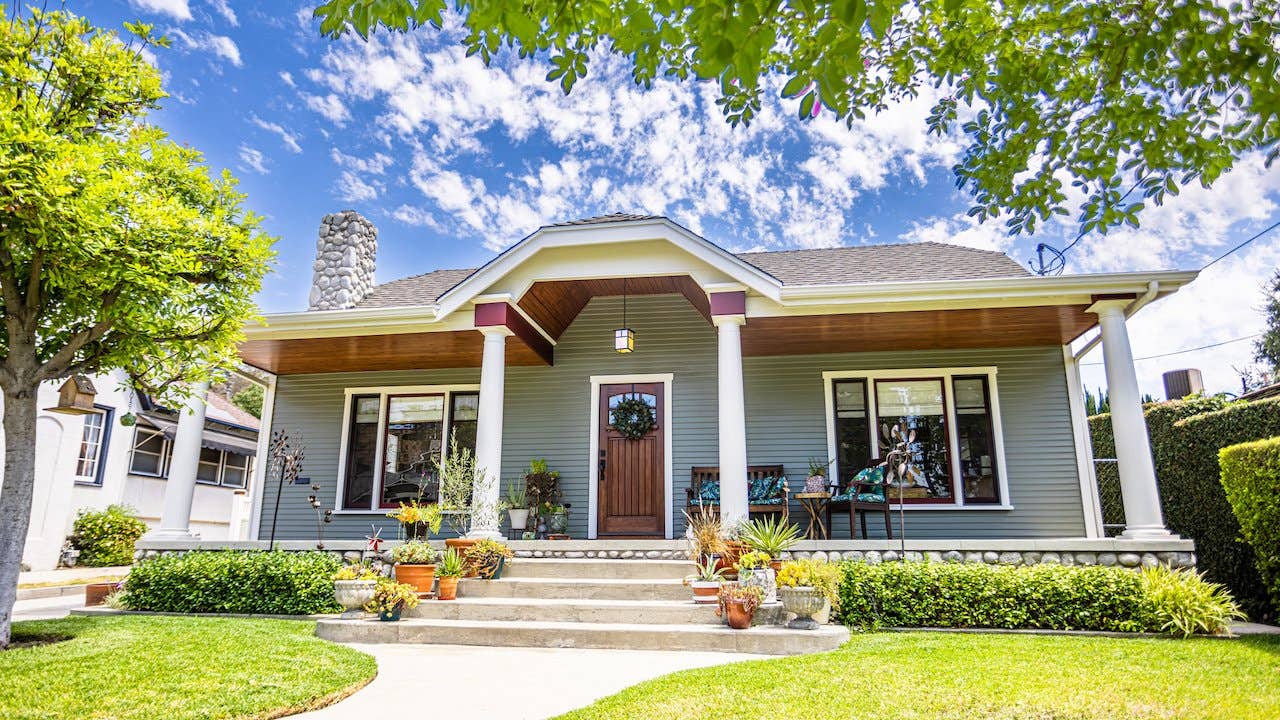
x: 406, y: 351
x: 916, y: 330
x: 555, y: 304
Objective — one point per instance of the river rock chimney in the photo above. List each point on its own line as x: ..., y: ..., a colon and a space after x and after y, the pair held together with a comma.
x: 346, y: 252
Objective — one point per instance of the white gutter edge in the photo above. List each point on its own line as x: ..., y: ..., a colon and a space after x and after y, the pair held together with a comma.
x: 1153, y: 289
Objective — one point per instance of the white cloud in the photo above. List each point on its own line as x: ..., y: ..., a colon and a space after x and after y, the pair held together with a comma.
x: 223, y: 8
x: 179, y: 10
x: 376, y: 164
x: 960, y: 229
x: 218, y: 45
x: 289, y: 139
x: 330, y: 106
x: 352, y: 188
x: 253, y: 159
x: 287, y: 77
x: 415, y: 216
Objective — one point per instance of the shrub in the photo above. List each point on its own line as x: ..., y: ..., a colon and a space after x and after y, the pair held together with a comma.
x: 1184, y: 604
x: 1251, y: 480
x: 1186, y: 436
x: 106, y: 537
x: 269, y: 583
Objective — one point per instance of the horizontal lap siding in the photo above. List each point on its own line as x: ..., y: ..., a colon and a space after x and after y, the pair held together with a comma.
x: 547, y: 414
x: 786, y: 423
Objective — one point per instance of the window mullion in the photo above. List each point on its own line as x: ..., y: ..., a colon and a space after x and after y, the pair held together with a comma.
x: 953, y: 440
x: 873, y: 414
x: 375, y: 494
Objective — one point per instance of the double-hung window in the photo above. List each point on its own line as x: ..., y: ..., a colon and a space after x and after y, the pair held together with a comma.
x: 393, y: 439
x: 950, y: 418
x: 150, y: 453
x: 94, y: 437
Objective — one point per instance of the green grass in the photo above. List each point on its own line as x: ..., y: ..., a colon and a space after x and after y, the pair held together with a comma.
x: 174, y: 668
x: 936, y: 675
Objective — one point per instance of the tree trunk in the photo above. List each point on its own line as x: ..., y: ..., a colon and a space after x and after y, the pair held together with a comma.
x: 16, y: 488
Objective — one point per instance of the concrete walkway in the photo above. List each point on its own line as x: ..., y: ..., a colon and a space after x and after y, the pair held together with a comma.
x: 46, y: 608
x: 508, y: 683
x: 71, y: 576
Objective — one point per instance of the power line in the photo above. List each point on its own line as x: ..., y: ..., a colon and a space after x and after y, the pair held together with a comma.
x: 1183, y: 352
x: 1246, y: 242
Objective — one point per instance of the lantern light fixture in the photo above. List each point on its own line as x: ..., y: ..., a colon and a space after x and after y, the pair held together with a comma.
x: 624, y: 338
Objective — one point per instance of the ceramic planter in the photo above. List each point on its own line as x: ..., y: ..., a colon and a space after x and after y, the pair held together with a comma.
x: 804, y: 602
x: 353, y: 594
x: 519, y: 518
x: 705, y: 592
x: 738, y: 616
x: 421, y: 577
x: 558, y: 523
x: 763, y: 578
x: 448, y: 588
x: 815, y: 484
x: 493, y: 570
x: 391, y: 615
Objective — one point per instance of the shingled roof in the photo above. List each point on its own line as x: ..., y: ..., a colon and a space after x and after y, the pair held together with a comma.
x: 901, y: 262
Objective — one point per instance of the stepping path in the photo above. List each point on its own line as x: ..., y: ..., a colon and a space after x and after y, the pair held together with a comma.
x: 507, y: 683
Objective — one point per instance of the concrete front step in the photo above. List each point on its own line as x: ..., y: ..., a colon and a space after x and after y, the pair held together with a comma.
x: 764, y: 640
x: 591, y: 568
x: 575, y: 588
x: 636, y: 612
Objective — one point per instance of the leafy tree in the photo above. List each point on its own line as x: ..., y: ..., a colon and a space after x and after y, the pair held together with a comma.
x: 117, y: 247
x: 1266, y: 349
x: 250, y: 400
x: 1113, y: 98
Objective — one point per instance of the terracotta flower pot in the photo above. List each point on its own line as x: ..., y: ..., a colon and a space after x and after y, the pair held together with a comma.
x: 420, y: 577
x: 739, y: 617
x: 776, y: 566
x: 448, y: 588
x: 96, y: 593
x: 730, y: 557
x: 705, y: 593
x: 462, y: 545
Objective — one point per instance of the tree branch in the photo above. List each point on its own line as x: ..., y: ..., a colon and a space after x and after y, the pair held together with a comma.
x: 57, y: 365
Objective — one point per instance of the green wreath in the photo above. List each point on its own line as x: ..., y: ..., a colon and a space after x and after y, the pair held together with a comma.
x: 633, y: 418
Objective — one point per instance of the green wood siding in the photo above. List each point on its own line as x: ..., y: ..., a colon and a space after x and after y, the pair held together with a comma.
x: 547, y: 414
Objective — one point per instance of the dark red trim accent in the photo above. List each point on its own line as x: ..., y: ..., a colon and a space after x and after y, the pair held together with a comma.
x: 729, y: 303
x: 503, y: 315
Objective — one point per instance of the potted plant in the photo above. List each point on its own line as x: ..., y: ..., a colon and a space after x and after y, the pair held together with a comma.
x: 705, y: 582
x: 702, y: 530
x: 809, y: 589
x: 448, y: 570
x: 754, y: 570
x: 418, y: 521
x: 517, y: 504
x: 542, y: 489
x: 817, y: 480
x: 353, y: 586
x: 557, y: 519
x: 486, y: 558
x: 771, y: 536
x: 415, y: 564
x: 390, y: 599
x: 457, y: 474
x: 738, y: 603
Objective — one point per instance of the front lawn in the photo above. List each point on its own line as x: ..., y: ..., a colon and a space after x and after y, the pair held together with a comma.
x: 936, y: 675
x: 136, y: 667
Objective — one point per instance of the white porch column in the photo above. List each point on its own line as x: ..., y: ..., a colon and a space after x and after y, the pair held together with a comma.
x: 485, y: 522
x: 1143, y: 517
x: 180, y: 489
x: 733, y: 424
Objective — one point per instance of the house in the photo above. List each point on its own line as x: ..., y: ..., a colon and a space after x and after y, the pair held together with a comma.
x: 92, y: 460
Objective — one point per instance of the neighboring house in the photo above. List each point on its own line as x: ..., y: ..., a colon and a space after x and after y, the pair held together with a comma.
x: 763, y: 358
x: 92, y: 461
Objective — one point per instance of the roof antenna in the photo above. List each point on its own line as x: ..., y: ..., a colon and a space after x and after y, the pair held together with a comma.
x: 1053, y: 264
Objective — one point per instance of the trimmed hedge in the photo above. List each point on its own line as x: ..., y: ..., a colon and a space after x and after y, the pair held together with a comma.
x: 973, y: 595
x: 1186, y: 436
x: 1251, y: 478
x: 105, y: 537
x: 1046, y: 597
x: 268, y: 583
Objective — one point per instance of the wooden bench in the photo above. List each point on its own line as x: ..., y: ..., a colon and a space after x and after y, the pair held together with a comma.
x: 711, y: 474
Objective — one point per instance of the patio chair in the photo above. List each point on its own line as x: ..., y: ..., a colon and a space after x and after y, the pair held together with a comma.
x: 767, y: 492
x: 865, y: 493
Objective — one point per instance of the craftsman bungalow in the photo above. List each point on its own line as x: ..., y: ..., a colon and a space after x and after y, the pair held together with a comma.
x: 752, y: 359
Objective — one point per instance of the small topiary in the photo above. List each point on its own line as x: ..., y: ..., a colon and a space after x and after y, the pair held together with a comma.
x: 106, y: 537
x: 225, y: 581
x: 1251, y: 480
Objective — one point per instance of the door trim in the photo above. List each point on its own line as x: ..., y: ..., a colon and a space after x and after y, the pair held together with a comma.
x: 593, y: 467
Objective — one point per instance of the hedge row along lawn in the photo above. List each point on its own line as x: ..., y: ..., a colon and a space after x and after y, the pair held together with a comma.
x: 131, y: 668
x: 964, y: 676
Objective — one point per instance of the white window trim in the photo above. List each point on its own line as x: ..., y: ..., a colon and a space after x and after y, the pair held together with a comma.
x: 96, y: 478
x: 222, y: 471
x: 946, y: 375
x: 165, y: 454
x: 593, y: 466
x: 1085, y: 467
x: 384, y: 392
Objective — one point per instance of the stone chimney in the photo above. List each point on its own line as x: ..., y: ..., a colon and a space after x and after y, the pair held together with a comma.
x: 345, y: 255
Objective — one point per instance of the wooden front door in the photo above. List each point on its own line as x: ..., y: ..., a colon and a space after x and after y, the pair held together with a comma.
x: 630, y: 494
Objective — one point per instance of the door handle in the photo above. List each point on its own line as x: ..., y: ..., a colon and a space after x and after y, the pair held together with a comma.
x: 602, y: 464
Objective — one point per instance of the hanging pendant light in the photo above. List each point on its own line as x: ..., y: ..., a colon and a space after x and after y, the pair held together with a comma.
x: 624, y: 338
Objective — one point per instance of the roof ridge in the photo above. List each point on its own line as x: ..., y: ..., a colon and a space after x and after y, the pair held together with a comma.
x: 874, y: 245
x: 421, y: 275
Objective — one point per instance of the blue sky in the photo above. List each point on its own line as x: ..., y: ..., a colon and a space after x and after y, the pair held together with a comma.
x: 454, y: 161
